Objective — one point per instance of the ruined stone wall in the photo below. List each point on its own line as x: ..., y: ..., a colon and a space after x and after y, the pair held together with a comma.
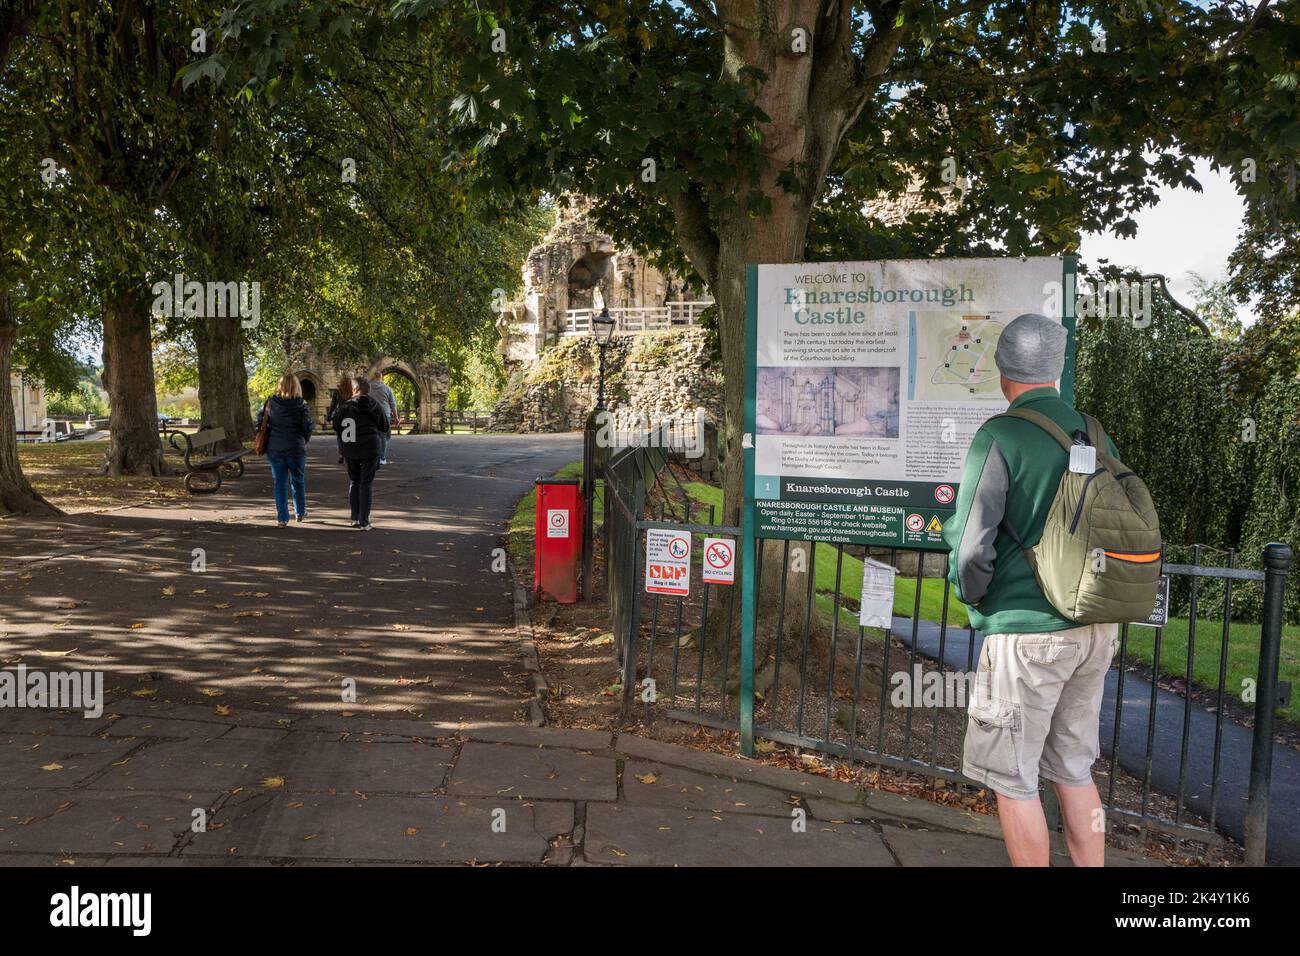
x: 650, y: 376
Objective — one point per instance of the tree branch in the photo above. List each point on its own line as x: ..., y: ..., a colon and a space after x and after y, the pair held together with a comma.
x: 705, y: 13
x: 696, y: 234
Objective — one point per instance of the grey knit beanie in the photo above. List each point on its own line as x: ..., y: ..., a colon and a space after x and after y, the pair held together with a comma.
x: 1031, y: 349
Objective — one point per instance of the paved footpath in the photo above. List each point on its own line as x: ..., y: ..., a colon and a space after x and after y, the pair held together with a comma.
x: 226, y: 738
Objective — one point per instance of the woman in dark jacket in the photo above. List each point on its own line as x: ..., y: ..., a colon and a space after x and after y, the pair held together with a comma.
x: 289, y: 426
x: 337, y: 397
x: 361, y: 425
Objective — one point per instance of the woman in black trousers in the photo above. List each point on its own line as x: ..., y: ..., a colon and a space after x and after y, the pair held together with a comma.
x: 361, y: 425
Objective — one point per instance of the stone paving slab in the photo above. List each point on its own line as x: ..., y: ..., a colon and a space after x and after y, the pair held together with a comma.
x: 26, y: 721
x: 370, y: 767
x: 543, y: 736
x: 881, y: 806
x: 359, y: 727
x: 944, y: 848
x: 485, y: 769
x: 72, y: 822
x: 663, y: 785
x: 186, y: 764
x: 266, y: 734
x: 167, y: 727
x: 659, y: 836
x: 200, y: 713
x: 737, y: 768
x: 344, y: 826
x: 71, y: 759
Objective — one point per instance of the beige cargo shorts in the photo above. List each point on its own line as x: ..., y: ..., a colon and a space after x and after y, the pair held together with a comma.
x: 1035, y: 708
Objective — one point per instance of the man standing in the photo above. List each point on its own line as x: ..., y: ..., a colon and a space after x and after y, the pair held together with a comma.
x: 383, y: 395
x: 1036, y: 704
x: 361, y: 424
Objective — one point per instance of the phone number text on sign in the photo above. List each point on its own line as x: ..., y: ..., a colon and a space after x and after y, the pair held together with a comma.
x: 667, y: 562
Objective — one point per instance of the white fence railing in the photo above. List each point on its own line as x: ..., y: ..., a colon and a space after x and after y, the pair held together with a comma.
x: 652, y: 319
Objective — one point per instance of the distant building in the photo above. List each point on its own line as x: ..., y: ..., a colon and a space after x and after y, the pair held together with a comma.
x: 29, y: 401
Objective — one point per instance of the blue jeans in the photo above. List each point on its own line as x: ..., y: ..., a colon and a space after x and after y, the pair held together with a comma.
x: 289, y: 468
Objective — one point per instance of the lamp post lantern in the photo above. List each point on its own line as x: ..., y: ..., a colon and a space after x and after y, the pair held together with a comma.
x: 602, y: 327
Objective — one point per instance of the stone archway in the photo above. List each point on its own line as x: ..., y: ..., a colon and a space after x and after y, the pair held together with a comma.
x: 409, y: 399
x: 315, y: 392
x: 430, y: 380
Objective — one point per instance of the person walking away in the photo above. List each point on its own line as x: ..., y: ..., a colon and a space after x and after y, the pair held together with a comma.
x: 289, y: 427
x: 382, y: 394
x: 361, y: 425
x: 1036, y: 704
x: 338, y: 396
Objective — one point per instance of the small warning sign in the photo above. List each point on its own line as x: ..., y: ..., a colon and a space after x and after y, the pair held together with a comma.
x: 934, y: 526
x: 557, y: 523
x: 667, y: 562
x: 719, y: 561
x: 1160, y: 613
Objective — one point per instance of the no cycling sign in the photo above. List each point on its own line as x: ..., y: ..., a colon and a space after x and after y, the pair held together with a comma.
x: 719, y: 561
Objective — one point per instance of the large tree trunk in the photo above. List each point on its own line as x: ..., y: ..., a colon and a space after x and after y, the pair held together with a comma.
x: 223, y: 379
x: 810, y: 99
x: 134, y: 447
x: 16, y: 495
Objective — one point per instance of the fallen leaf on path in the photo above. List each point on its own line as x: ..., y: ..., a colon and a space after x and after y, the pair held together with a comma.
x: 222, y: 710
x: 137, y: 625
x: 52, y: 766
x: 209, y: 692
x: 412, y: 831
x: 56, y: 653
x: 272, y: 783
x: 144, y: 692
x: 646, y: 777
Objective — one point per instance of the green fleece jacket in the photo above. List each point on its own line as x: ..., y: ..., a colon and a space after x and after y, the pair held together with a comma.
x: 1012, y: 470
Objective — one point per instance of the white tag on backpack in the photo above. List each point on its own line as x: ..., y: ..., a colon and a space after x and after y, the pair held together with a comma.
x: 1083, y: 459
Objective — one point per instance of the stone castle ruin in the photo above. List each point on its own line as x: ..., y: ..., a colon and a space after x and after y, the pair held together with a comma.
x: 658, y: 360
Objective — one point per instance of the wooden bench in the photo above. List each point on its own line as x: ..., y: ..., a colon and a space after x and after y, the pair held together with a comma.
x: 213, y: 466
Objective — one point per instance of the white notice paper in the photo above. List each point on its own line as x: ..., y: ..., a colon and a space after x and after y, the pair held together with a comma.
x: 877, y: 608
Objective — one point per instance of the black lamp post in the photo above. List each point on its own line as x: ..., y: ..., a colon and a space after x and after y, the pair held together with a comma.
x: 602, y: 327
